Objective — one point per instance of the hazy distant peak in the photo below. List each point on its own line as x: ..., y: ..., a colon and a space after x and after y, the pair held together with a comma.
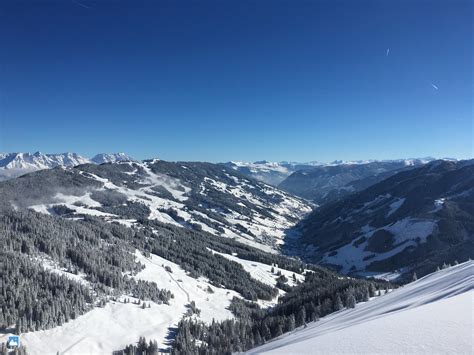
x: 102, y: 158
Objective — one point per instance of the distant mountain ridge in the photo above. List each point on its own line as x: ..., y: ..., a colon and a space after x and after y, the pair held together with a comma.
x: 103, y: 158
x: 326, y: 183
x: 272, y: 173
x: 16, y: 164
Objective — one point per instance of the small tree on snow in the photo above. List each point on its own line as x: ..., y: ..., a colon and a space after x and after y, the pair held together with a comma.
x: 338, y: 303
x: 350, y: 300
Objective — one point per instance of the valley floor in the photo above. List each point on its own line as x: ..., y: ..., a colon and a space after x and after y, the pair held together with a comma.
x: 433, y: 315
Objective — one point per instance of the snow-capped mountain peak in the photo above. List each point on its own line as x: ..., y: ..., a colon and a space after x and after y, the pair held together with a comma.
x: 110, y: 158
x: 16, y: 164
x: 38, y: 160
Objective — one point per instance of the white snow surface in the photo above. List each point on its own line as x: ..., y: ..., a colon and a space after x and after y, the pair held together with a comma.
x: 405, y: 231
x: 395, y: 205
x: 262, y: 272
x: 103, y: 330
x: 186, y: 289
x: 433, y: 315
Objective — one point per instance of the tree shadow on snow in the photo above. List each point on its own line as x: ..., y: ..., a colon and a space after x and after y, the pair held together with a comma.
x: 170, y: 336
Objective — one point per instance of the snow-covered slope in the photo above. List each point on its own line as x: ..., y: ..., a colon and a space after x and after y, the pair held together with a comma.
x: 418, y: 219
x: 201, y: 196
x: 105, y: 329
x: 430, y: 316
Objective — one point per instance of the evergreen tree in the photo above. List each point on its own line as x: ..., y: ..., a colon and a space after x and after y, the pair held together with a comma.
x: 338, y: 303
x: 350, y: 300
x: 291, y: 323
x: 300, y: 317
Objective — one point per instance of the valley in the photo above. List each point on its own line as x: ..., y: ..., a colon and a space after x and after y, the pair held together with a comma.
x: 161, y: 248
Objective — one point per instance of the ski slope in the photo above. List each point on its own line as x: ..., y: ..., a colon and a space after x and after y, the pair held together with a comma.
x: 105, y: 329
x: 433, y: 315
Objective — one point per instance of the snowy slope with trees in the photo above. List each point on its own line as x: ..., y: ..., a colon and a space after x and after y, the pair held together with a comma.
x: 199, y: 196
x: 414, y: 220
x: 126, y: 318
x: 432, y: 315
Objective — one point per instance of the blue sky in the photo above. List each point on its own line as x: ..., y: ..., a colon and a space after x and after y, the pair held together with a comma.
x: 238, y: 80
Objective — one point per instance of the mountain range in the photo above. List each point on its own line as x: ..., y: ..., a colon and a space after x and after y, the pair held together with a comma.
x: 16, y: 164
x: 275, y: 173
x: 272, y: 173
x: 329, y: 182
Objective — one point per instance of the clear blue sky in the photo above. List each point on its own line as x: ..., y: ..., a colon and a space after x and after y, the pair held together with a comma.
x: 238, y: 80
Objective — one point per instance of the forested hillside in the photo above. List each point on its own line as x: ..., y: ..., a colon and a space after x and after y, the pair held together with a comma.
x: 321, y: 293
x: 57, y: 269
x: 415, y: 220
x: 199, y: 196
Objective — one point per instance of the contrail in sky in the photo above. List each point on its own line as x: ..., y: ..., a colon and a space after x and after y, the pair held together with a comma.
x: 81, y: 4
x: 434, y: 86
x: 388, y: 51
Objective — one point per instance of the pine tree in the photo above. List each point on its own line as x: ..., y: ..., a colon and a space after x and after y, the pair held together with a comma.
x: 291, y: 323
x: 350, y: 300
x: 338, y: 303
x: 301, y: 317
x: 365, y: 295
x: 279, y: 330
x: 372, y: 290
x: 152, y: 348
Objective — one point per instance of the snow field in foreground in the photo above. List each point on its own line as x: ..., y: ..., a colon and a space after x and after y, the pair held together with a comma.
x: 433, y: 315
